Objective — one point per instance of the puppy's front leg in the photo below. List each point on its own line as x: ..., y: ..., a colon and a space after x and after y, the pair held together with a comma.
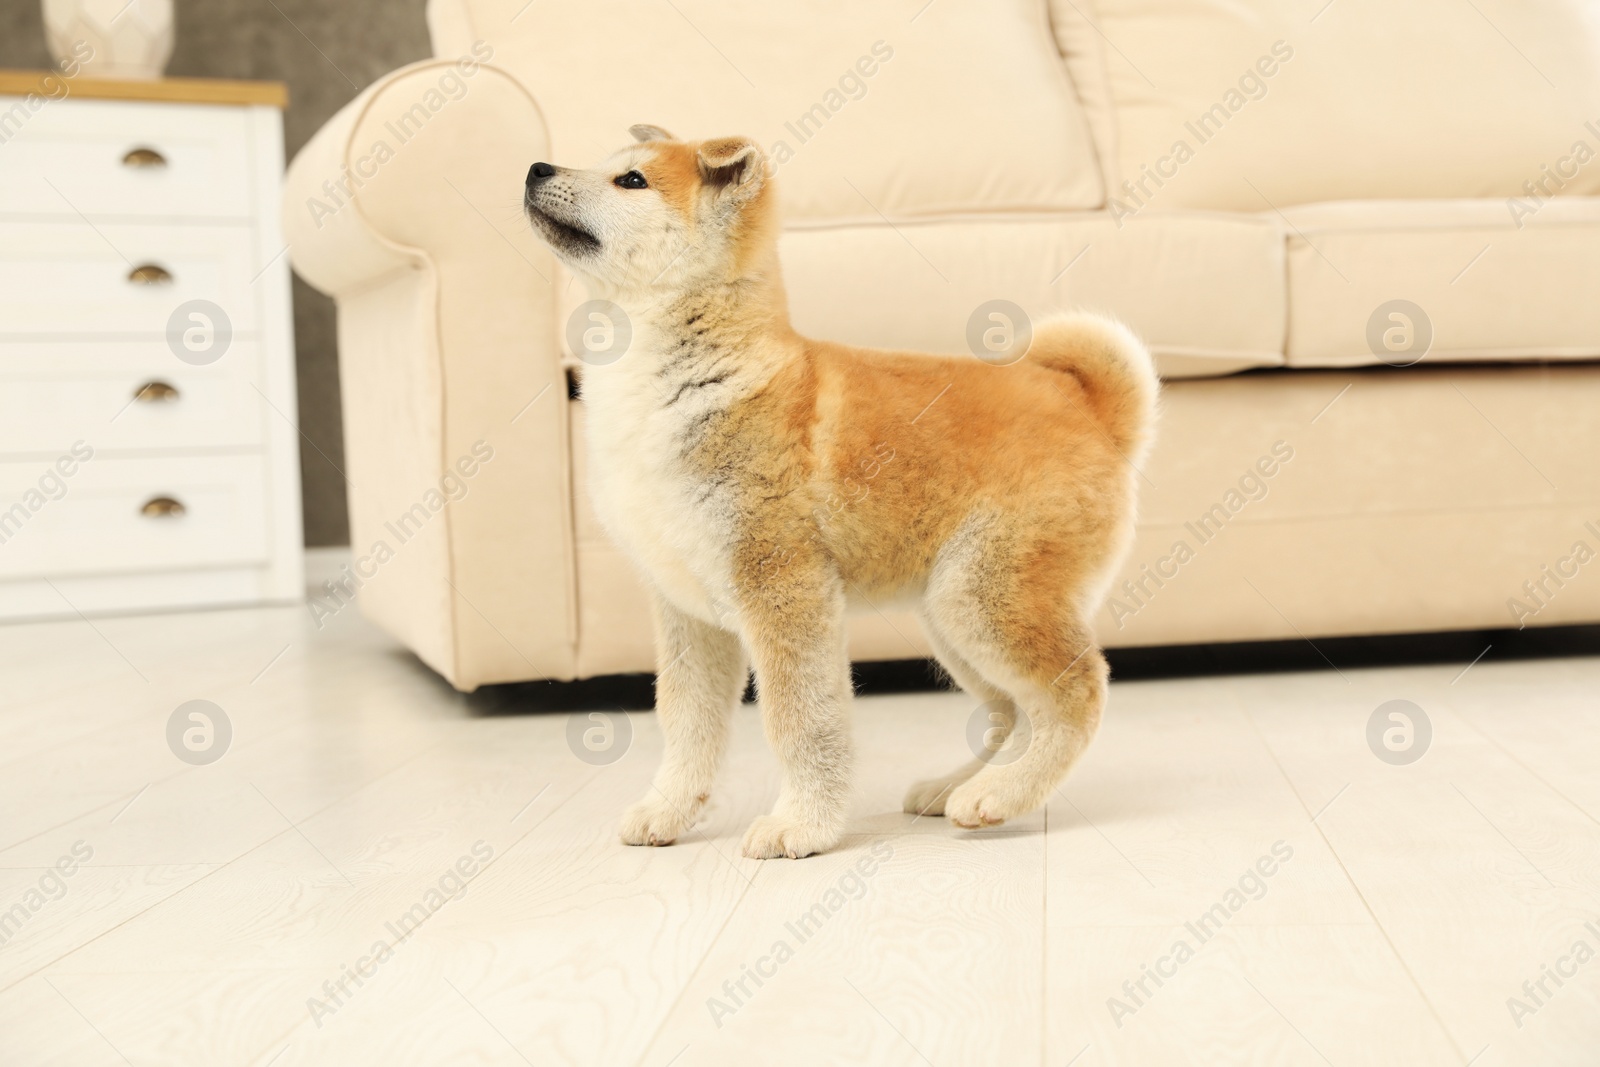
x: 700, y: 675
x: 795, y: 635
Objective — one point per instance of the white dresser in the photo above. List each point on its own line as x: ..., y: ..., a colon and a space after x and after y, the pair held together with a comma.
x: 149, y: 457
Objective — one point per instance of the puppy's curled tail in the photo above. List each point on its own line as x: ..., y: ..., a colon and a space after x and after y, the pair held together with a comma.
x: 1114, y: 369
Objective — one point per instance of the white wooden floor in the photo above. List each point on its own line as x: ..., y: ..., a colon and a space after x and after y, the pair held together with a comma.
x: 221, y: 906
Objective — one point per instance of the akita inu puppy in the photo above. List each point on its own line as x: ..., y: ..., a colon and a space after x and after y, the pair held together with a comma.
x: 764, y: 483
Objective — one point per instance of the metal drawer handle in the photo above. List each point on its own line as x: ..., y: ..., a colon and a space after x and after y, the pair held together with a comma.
x: 144, y: 157
x: 150, y: 274
x: 162, y: 507
x: 155, y: 392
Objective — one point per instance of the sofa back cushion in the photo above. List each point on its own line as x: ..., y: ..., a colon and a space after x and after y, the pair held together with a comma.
x: 901, y: 109
x: 1258, y: 104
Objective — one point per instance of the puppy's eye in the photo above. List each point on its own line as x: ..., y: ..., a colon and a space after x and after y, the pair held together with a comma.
x: 631, y: 180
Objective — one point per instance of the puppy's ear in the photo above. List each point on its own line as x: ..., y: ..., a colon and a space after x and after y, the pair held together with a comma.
x: 732, y: 166
x: 644, y: 132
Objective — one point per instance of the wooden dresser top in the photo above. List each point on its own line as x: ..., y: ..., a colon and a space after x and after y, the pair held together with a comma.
x: 173, y: 90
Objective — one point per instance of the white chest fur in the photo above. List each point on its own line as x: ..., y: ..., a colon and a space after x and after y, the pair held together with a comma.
x: 676, y: 529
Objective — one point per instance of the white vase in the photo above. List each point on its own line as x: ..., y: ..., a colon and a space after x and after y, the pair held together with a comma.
x: 110, y: 38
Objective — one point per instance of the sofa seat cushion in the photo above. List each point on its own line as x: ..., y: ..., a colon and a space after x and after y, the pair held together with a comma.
x: 1278, y: 103
x: 868, y: 110
x: 1481, y: 280
x: 1205, y: 291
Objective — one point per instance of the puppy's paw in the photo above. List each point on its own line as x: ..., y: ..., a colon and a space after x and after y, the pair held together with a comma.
x: 653, y: 821
x: 929, y: 797
x: 775, y: 836
x: 978, y: 803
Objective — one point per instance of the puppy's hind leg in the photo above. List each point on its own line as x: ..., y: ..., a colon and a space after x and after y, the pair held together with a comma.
x: 928, y: 797
x: 699, y: 677
x: 1005, y: 593
x: 1064, y: 711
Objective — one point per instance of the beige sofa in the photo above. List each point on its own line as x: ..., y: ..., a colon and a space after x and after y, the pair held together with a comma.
x: 1250, y: 184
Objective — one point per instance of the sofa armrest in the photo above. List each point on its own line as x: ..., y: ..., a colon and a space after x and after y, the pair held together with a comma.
x: 405, y: 208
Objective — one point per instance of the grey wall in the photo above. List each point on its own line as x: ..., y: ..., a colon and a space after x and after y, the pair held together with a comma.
x: 327, y: 51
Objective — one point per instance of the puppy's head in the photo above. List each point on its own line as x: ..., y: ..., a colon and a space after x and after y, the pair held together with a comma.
x: 661, y: 215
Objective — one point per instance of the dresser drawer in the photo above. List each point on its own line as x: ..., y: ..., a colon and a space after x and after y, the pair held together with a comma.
x: 107, y: 157
x: 105, y: 515
x: 127, y: 395
x: 73, y: 278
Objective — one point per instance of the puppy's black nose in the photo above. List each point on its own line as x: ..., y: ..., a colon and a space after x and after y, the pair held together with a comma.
x: 539, y: 172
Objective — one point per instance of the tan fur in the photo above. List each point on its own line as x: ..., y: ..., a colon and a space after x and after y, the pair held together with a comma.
x: 673, y: 172
x: 766, y: 483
